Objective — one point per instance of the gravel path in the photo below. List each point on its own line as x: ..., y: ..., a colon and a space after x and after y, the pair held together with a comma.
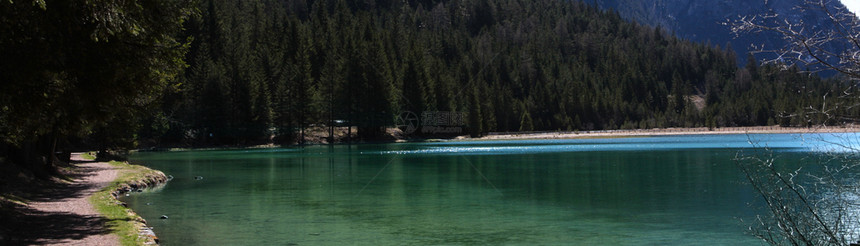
x: 65, y: 214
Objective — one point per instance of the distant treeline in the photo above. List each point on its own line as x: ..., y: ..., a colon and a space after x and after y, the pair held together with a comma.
x: 264, y: 68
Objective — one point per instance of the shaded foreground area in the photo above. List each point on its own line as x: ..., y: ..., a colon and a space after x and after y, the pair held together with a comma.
x: 79, y: 207
x: 57, y: 210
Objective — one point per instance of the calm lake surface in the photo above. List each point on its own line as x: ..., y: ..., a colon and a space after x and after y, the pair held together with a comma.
x: 631, y: 191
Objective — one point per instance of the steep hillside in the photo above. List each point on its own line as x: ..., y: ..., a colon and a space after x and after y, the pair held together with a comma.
x: 702, y: 20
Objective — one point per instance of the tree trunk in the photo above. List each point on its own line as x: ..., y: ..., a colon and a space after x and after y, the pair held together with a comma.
x: 35, y: 156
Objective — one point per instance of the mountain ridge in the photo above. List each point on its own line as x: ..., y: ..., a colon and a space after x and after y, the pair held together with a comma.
x: 709, y: 21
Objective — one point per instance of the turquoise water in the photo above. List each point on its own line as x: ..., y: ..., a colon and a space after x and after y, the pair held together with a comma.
x: 630, y: 191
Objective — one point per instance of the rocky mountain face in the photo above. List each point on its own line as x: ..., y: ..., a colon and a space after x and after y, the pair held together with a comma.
x: 703, y: 20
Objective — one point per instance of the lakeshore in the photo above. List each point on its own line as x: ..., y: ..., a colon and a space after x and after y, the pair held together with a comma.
x: 319, y: 135
x: 79, y: 208
x: 666, y: 132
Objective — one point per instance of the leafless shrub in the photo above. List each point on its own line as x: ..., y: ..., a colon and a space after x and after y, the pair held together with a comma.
x: 831, y: 44
x: 817, y: 203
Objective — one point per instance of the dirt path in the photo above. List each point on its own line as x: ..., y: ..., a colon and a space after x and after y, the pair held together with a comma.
x: 63, y: 214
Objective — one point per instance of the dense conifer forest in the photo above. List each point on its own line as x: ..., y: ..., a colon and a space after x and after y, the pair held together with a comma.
x: 262, y: 68
x: 219, y: 72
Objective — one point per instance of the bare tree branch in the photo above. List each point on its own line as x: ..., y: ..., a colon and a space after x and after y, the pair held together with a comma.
x: 832, y: 45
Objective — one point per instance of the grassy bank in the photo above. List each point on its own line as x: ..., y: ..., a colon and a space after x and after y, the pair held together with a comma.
x: 121, y: 220
x: 90, y: 156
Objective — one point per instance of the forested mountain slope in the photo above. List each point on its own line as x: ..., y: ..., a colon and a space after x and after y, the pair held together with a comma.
x: 512, y: 65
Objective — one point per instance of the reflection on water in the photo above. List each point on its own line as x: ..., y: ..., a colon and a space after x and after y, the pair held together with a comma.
x: 660, y: 190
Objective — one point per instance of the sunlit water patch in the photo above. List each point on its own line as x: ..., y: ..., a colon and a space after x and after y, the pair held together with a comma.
x: 831, y: 142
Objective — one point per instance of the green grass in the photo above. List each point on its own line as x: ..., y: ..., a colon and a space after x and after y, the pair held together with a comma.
x: 13, y: 199
x: 8, y: 204
x: 119, y: 221
x: 88, y: 156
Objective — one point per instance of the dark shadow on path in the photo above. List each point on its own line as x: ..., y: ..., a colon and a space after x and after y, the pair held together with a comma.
x: 20, y: 225
x: 37, y: 227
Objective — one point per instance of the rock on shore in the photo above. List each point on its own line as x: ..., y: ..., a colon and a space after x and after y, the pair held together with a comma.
x: 152, y: 179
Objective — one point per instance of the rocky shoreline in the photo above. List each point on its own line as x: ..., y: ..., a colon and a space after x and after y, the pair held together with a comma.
x: 153, y: 179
